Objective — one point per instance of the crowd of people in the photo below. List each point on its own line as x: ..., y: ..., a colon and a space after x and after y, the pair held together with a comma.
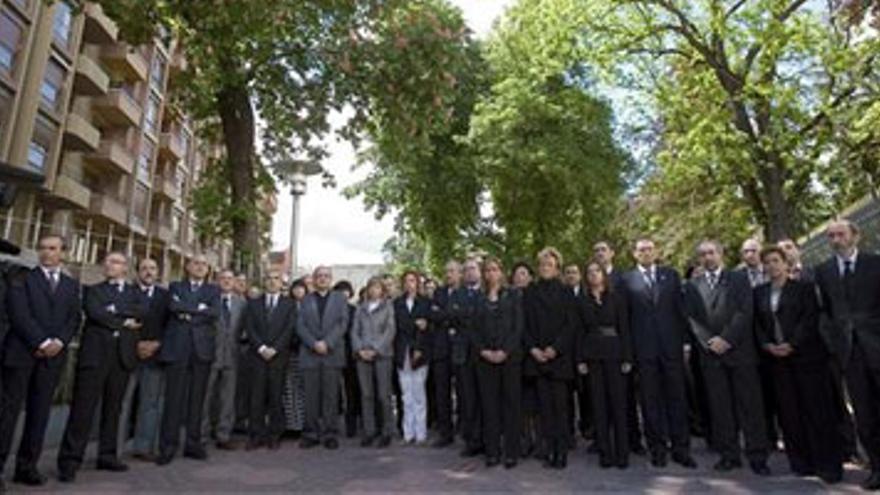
x: 516, y: 362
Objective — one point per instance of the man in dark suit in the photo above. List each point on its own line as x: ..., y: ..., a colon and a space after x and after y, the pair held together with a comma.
x: 151, y: 377
x: 114, y: 310
x: 321, y: 325
x: 657, y: 327
x: 187, y: 351
x: 604, y: 255
x: 465, y: 309
x: 45, y: 313
x: 720, y: 311
x: 443, y: 333
x: 571, y: 276
x: 220, y: 398
x: 849, y: 283
x: 270, y: 322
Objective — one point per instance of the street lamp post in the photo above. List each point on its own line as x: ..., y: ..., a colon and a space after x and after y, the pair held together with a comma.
x: 296, y: 173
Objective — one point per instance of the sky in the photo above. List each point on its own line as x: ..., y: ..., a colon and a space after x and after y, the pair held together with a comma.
x: 333, y: 229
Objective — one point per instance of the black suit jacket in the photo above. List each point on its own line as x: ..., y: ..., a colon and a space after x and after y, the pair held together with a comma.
x: 551, y: 320
x: 443, y: 324
x: 156, y: 317
x: 501, y: 330
x: 798, y: 316
x: 36, y: 314
x: 591, y: 343
x: 407, y: 335
x: 106, y: 309
x: 190, y: 330
x: 728, y: 313
x: 276, y: 329
x: 657, y: 322
x: 853, y: 323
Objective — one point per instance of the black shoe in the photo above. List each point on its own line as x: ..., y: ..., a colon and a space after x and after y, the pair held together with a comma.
x: 510, y: 463
x: 725, y: 465
x: 562, y: 460
x: 442, y: 442
x: 331, y: 443
x: 493, y: 461
x: 384, y: 442
x: 760, y: 468
x: 253, y: 445
x: 637, y: 449
x: 684, y: 460
x: 113, y: 465
x: 605, y: 462
x: 831, y: 478
x: 164, y: 459
x: 2, y: 486
x: 593, y: 448
x: 550, y: 461
x: 197, y: 454
x: 65, y: 475
x: 472, y: 451
x: 622, y: 464
x: 873, y: 482
x: 308, y: 443
x: 31, y: 477
x: 658, y: 459
x: 368, y: 441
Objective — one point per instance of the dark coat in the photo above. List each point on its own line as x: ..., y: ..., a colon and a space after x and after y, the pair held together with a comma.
x: 276, y: 329
x: 156, y: 317
x: 611, y: 312
x: 798, y: 316
x: 36, y: 314
x: 857, y: 319
x: 657, y: 321
x: 551, y: 321
x: 452, y: 317
x: 501, y: 329
x: 407, y: 336
x: 726, y: 312
x: 190, y: 330
x: 106, y: 309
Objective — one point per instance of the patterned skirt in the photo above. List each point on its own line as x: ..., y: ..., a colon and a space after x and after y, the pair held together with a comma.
x: 294, y: 396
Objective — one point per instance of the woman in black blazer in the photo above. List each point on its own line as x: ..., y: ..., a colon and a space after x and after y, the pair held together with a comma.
x: 411, y: 314
x: 550, y: 316
x: 786, y: 323
x: 606, y: 356
x: 497, y: 343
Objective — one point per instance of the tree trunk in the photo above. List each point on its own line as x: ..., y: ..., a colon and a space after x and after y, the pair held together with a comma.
x: 778, y: 224
x: 237, y: 118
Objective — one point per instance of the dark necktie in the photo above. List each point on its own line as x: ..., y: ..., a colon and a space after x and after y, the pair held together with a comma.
x: 226, y: 312
x: 848, y: 279
x: 712, y: 279
x: 53, y: 280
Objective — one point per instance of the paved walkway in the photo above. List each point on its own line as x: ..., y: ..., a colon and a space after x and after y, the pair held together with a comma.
x: 418, y: 469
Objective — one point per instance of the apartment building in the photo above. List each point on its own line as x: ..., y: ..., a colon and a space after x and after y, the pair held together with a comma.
x: 92, y: 115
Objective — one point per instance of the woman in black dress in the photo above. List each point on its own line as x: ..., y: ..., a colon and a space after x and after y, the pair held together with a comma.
x: 498, y: 348
x: 550, y: 316
x: 606, y: 356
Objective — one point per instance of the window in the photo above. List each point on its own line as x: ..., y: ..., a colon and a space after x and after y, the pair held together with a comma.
x: 151, y: 115
x: 145, y: 160
x: 41, y: 144
x: 10, y: 38
x: 185, y: 140
x: 139, y: 210
x: 5, y: 108
x: 157, y: 72
x: 53, y: 83
x: 176, y: 223
x: 179, y: 179
x: 61, y: 25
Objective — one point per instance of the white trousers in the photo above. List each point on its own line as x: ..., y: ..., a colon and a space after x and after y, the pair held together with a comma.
x: 415, y: 401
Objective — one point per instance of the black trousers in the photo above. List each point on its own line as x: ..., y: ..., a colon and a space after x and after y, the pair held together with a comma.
x: 846, y: 424
x: 766, y: 372
x: 106, y: 384
x: 863, y: 383
x: 266, y: 411
x: 30, y: 386
x: 322, y: 402
x: 242, y: 387
x: 634, y: 425
x: 735, y: 402
x: 352, y: 398
x: 186, y: 384
x: 585, y: 422
x: 808, y: 417
x: 470, y: 408
x: 441, y: 371
x: 501, y: 398
x: 553, y: 404
x: 664, y: 405
x: 608, y: 385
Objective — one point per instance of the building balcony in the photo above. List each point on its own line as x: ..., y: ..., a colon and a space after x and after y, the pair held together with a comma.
x: 161, y: 231
x: 71, y: 192
x: 80, y: 134
x: 170, y: 147
x: 90, y: 79
x: 117, y: 108
x: 166, y: 188
x: 113, y: 157
x: 98, y: 29
x: 108, y: 208
x: 123, y: 61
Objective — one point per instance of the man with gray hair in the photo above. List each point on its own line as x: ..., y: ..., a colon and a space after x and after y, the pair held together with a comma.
x: 321, y: 326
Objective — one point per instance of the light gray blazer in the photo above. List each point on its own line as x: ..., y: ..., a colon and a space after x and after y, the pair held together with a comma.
x: 228, y: 334
x: 374, y: 330
x: 311, y: 328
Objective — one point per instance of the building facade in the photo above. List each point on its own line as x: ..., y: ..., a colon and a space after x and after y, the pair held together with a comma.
x: 94, y: 117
